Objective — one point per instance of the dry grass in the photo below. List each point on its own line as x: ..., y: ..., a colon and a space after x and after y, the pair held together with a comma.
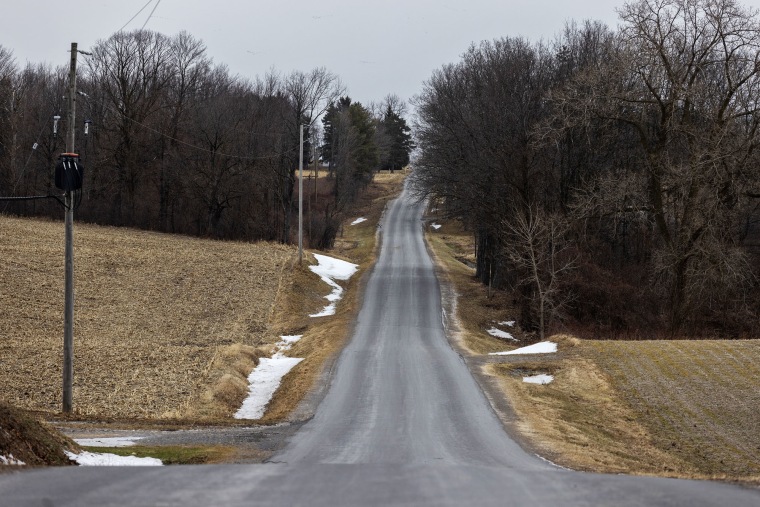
x: 579, y: 420
x: 324, y: 337
x: 699, y: 400
x: 168, y: 327
x: 154, y: 313
x: 477, y: 309
x: 174, y: 454
x: 31, y: 441
x: 227, y: 382
x: 674, y: 408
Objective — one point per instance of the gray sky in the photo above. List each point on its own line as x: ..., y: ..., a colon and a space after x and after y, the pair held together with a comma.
x: 375, y: 47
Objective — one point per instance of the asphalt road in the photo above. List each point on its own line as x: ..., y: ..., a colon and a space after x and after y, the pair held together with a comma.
x: 403, y: 423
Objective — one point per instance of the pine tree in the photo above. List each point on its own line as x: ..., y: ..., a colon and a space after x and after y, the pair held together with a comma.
x: 398, y: 140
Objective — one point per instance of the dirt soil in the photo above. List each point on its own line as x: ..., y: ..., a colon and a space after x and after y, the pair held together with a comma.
x: 698, y: 399
x: 25, y: 439
x: 153, y: 314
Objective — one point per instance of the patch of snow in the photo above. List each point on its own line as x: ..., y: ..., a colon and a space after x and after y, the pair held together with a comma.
x: 288, y: 341
x: 330, y: 269
x: 358, y: 221
x: 436, y: 226
x: 107, y: 441
x: 508, y: 323
x: 333, y: 298
x: 498, y: 333
x: 537, y: 348
x: 265, y: 379
x: 334, y: 268
x: 542, y: 379
x: 111, y: 460
x: 553, y: 463
x: 10, y: 460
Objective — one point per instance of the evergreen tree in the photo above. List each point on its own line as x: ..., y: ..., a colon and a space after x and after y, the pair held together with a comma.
x: 397, y: 140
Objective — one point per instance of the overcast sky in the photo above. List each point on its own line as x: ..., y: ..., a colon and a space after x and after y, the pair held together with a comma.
x: 376, y: 47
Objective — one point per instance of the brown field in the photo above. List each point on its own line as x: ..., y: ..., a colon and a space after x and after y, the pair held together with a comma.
x: 168, y: 327
x: 676, y: 408
x: 700, y: 400
x: 154, y: 314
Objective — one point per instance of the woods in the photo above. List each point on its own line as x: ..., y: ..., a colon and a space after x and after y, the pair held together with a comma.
x: 610, y: 177
x: 626, y: 158
x: 176, y: 143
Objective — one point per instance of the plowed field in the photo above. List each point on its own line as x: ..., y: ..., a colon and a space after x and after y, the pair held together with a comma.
x: 152, y: 311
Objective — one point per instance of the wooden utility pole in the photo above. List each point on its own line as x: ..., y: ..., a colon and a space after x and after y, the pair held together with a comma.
x: 300, y: 198
x: 311, y: 216
x: 316, y: 173
x: 68, y: 311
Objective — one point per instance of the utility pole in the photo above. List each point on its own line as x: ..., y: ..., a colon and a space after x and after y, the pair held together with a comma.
x: 68, y: 312
x: 311, y: 216
x: 300, y: 198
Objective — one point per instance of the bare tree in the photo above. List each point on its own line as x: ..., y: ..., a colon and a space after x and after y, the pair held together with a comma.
x: 310, y: 95
x: 682, y: 81
x: 475, y: 123
x: 8, y: 107
x: 131, y: 72
x: 189, y: 67
x: 539, y: 248
x: 217, y: 171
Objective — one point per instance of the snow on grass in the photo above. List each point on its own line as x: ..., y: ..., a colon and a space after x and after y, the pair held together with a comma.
x: 107, y: 441
x: 334, y: 268
x: 358, y: 221
x: 542, y: 379
x: 288, y: 341
x: 498, y: 333
x: 536, y: 348
x: 104, y: 459
x: 265, y: 379
x: 10, y: 460
x: 331, y: 269
x: 436, y: 226
x: 508, y: 323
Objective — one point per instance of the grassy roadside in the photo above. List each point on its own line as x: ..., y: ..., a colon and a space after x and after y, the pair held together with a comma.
x: 172, y: 454
x: 324, y: 337
x: 670, y: 408
x: 23, y: 438
x: 699, y: 399
x: 453, y: 250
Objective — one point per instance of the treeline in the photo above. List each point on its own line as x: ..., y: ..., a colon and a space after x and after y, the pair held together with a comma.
x: 176, y: 143
x: 611, y: 177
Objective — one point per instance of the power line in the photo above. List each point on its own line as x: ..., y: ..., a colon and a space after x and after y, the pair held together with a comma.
x: 26, y: 165
x: 39, y: 197
x: 133, y: 17
x: 190, y: 145
x: 151, y: 14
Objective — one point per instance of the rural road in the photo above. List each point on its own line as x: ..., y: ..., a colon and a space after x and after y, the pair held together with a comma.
x: 403, y: 423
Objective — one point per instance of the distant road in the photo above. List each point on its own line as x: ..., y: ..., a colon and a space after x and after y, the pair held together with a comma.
x: 403, y: 423
x: 401, y: 395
